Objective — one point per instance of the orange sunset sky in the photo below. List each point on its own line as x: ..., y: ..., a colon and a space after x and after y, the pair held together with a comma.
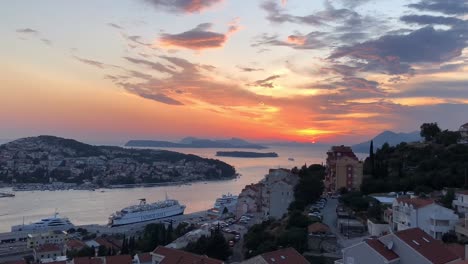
x: 326, y: 71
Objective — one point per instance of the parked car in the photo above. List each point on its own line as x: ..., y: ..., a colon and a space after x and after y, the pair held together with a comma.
x: 231, y: 243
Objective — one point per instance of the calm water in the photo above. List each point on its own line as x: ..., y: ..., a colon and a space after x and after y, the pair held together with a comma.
x: 94, y: 207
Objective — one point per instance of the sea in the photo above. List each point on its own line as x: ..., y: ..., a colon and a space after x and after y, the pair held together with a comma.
x: 85, y: 207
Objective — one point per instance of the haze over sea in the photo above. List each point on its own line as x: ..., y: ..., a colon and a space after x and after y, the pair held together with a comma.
x: 94, y: 207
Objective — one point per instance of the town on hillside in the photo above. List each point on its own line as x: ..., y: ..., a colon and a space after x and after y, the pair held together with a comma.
x: 404, y: 203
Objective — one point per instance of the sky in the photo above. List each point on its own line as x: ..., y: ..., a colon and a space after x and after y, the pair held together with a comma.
x: 336, y: 71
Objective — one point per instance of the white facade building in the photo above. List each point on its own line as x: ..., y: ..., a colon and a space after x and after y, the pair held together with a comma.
x: 425, y: 214
x: 461, y: 202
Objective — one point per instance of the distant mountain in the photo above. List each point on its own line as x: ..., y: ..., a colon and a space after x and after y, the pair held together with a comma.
x: 39, y: 159
x: 389, y: 137
x: 192, y: 142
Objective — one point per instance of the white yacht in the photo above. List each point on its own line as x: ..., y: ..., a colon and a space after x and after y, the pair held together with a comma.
x: 227, y: 201
x: 52, y: 223
x: 146, y: 212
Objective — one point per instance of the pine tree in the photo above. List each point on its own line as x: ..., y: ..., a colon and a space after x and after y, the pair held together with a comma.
x: 372, y: 158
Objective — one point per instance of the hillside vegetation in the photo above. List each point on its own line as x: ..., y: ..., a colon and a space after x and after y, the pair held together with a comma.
x: 438, y: 162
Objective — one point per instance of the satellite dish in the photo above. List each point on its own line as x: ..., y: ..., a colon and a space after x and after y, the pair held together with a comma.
x: 390, y: 245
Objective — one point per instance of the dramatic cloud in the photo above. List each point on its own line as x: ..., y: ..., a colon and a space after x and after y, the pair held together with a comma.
x: 249, y: 69
x: 162, y: 98
x: 198, y: 38
x: 114, y: 25
x: 452, y: 7
x: 431, y: 20
x: 183, y: 6
x: 27, y: 31
x: 267, y: 82
x: 393, y: 54
x: 94, y: 63
x: 153, y: 65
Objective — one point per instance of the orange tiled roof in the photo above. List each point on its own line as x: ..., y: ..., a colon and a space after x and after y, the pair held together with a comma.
x: 175, y: 256
x: 284, y: 256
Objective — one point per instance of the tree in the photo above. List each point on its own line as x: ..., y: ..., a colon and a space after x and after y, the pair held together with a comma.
x: 225, y: 210
x: 429, y: 131
x: 372, y: 158
x: 214, y: 246
x: 448, y: 198
x: 102, y: 251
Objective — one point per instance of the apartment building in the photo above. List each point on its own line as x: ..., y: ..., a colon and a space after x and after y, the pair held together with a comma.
x: 409, y: 246
x: 423, y: 213
x: 344, y: 170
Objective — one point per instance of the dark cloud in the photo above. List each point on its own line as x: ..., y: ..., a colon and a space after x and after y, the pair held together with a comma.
x: 354, y: 3
x: 249, y: 69
x: 198, y: 38
x: 153, y: 65
x: 27, y: 31
x: 313, y: 40
x: 436, y: 89
x: 94, y: 63
x: 276, y: 15
x: 46, y: 41
x: 183, y: 6
x: 393, y: 54
x: 162, y: 98
x: 267, y: 82
x: 431, y: 20
x: 452, y: 7
x: 114, y: 25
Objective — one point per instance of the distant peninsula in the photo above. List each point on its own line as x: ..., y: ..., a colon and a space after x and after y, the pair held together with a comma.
x: 46, y: 159
x: 191, y: 142
x: 246, y: 154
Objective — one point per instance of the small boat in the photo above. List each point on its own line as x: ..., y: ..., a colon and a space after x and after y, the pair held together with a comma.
x: 291, y: 159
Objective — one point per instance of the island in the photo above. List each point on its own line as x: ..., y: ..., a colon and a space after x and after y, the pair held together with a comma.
x: 192, y: 142
x: 246, y: 154
x: 60, y: 161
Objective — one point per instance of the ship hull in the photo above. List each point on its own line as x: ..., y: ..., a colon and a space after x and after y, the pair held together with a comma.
x: 148, y: 216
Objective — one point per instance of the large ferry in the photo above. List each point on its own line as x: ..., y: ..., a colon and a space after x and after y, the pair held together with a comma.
x: 228, y: 201
x: 146, y: 212
x: 47, y: 224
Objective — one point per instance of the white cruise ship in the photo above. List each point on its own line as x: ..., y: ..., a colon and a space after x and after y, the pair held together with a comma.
x: 47, y: 224
x: 228, y: 201
x: 146, y: 212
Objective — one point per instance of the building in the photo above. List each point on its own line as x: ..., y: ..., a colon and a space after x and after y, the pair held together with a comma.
x: 464, y: 133
x: 48, y: 251
x: 344, y: 170
x: 282, y: 256
x: 270, y: 197
x: 425, y: 214
x: 461, y: 202
x: 409, y: 246
x: 249, y: 200
x: 278, y: 192
x: 52, y: 237
x: 142, y: 258
x: 118, y: 259
x: 74, y: 245
x: 164, y: 255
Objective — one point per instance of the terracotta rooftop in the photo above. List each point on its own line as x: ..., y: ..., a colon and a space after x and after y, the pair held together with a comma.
x: 107, y: 242
x: 16, y: 262
x: 87, y: 260
x: 456, y: 249
x: 424, y: 244
x: 416, y: 202
x: 175, y: 256
x: 48, y: 248
x: 75, y: 244
x: 144, y: 257
x: 119, y: 259
x: 317, y: 227
x: 378, y: 246
x: 284, y: 256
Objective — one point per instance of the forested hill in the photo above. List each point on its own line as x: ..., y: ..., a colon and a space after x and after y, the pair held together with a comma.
x: 39, y: 159
x: 417, y: 167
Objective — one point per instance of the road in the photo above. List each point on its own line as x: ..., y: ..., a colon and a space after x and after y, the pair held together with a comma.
x: 330, y: 219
